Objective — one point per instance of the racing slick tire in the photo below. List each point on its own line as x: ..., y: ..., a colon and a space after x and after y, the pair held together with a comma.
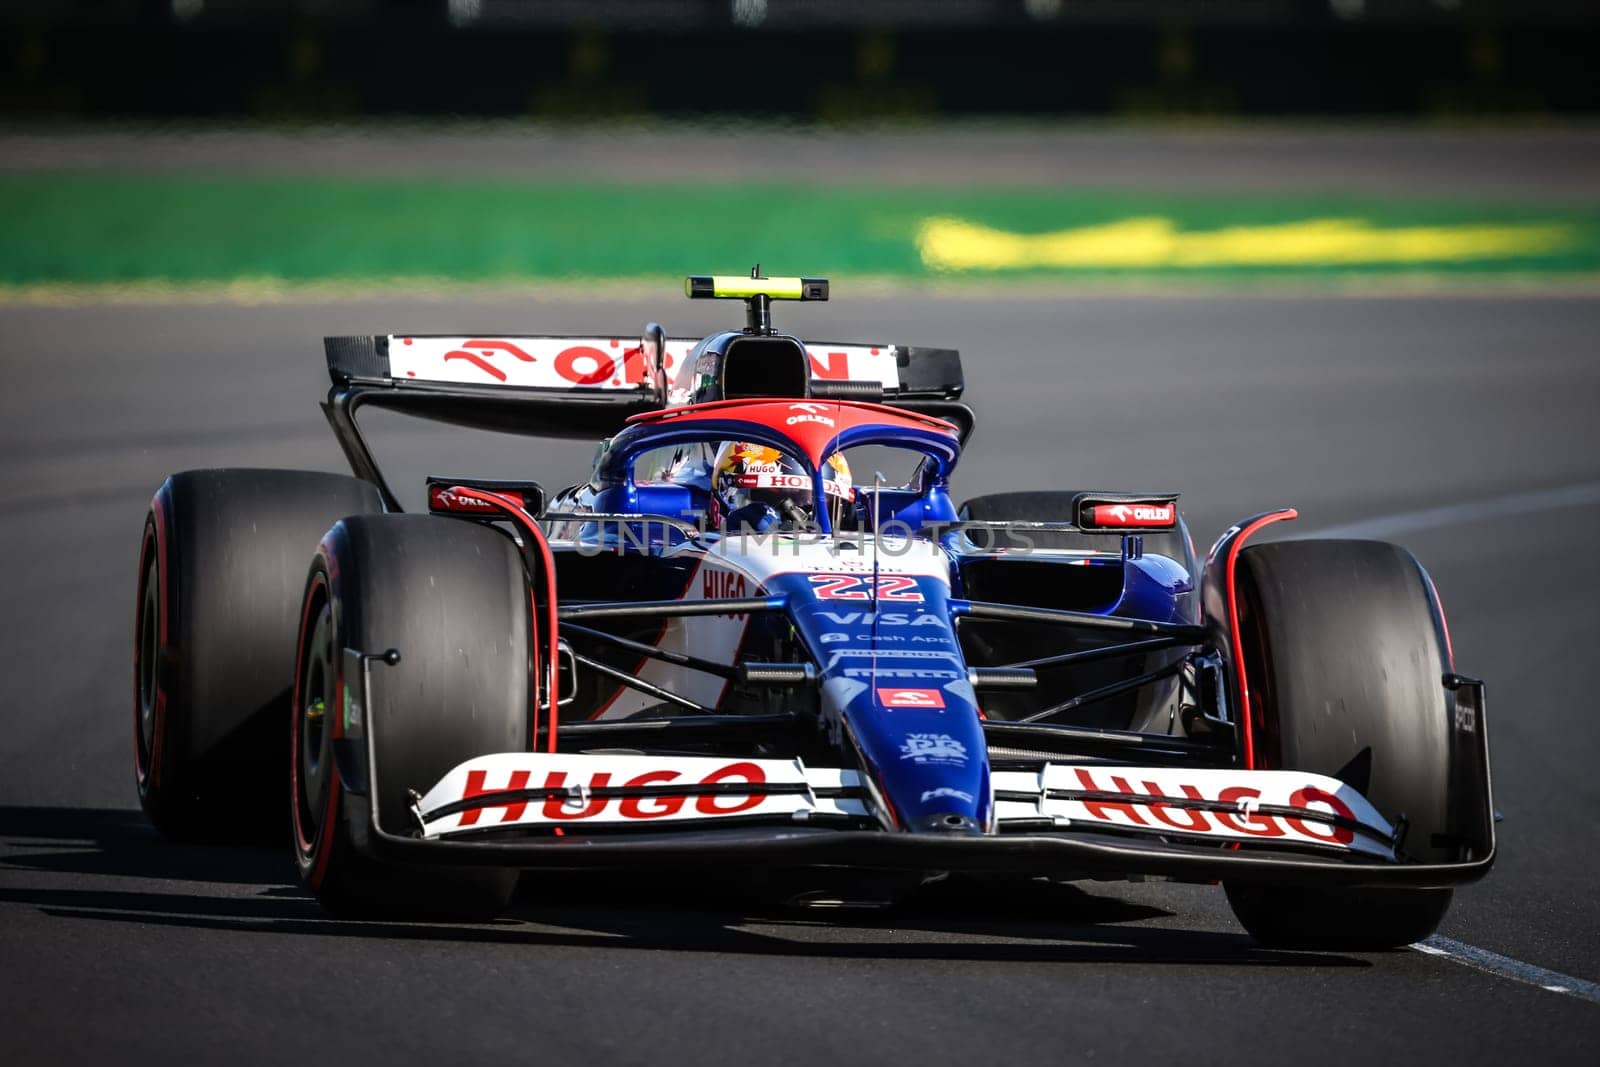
x: 220, y: 571
x: 1345, y: 652
x: 450, y: 597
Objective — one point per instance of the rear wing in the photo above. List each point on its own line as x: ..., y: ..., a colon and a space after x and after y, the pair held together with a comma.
x: 580, y: 387
x: 595, y: 382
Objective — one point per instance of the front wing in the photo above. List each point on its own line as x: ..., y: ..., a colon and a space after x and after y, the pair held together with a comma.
x: 1064, y: 820
x: 535, y: 792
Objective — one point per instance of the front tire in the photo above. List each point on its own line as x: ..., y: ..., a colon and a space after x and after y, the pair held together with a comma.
x: 450, y: 596
x: 1349, y: 920
x: 1344, y: 650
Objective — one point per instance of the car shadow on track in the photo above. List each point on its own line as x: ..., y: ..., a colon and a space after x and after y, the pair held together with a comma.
x: 98, y: 852
x: 119, y: 842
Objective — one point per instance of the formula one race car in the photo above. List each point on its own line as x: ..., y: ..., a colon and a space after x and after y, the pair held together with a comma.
x: 729, y: 648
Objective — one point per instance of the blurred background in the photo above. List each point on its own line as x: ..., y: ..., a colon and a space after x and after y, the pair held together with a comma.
x: 798, y: 60
x: 267, y: 143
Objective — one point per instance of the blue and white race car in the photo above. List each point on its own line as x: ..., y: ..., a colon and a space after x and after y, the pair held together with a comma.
x: 741, y: 644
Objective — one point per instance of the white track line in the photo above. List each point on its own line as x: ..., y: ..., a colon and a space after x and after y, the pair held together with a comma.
x: 1506, y: 967
x: 1404, y: 522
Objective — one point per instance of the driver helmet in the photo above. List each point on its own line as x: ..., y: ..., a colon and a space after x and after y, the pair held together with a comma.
x: 758, y: 487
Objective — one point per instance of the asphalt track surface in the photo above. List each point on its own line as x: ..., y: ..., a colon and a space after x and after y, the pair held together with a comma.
x: 117, y: 947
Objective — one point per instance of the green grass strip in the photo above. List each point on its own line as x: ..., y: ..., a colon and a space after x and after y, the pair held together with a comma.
x: 98, y: 228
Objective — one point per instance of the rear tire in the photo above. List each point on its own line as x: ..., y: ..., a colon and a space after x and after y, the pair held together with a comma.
x: 450, y: 596
x: 1343, y: 646
x: 220, y: 572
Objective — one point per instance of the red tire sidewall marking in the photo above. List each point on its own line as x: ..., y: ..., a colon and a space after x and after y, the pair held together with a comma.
x: 1443, y: 624
x: 146, y: 548
x: 156, y: 540
x: 314, y: 851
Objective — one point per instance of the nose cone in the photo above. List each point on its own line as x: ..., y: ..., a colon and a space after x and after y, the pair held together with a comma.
x: 952, y: 823
x: 930, y: 763
x: 895, y: 686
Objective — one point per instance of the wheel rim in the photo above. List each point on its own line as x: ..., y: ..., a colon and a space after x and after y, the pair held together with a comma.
x: 313, y: 733
x: 149, y: 646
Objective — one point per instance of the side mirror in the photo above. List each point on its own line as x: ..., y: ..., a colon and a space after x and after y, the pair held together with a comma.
x: 443, y: 501
x: 653, y: 346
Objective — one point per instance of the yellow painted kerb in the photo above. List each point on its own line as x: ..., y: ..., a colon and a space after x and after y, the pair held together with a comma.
x: 1155, y: 242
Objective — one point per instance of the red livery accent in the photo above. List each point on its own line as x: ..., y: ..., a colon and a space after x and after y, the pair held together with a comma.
x: 1134, y: 515
x: 746, y: 772
x: 839, y: 587
x: 586, y: 365
x: 1133, y: 807
x: 596, y: 368
x: 1246, y: 716
x: 578, y: 364
x: 911, y: 698
x: 1098, y: 808
x: 557, y: 800
x: 507, y: 347
x: 556, y: 807
x: 815, y: 438
x: 1258, y: 825
x: 444, y: 498
x: 836, y: 369
x: 897, y: 587
x: 1312, y: 795
x: 633, y: 807
x: 481, y: 359
x: 722, y: 585
x: 476, y: 788
x: 1180, y: 818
